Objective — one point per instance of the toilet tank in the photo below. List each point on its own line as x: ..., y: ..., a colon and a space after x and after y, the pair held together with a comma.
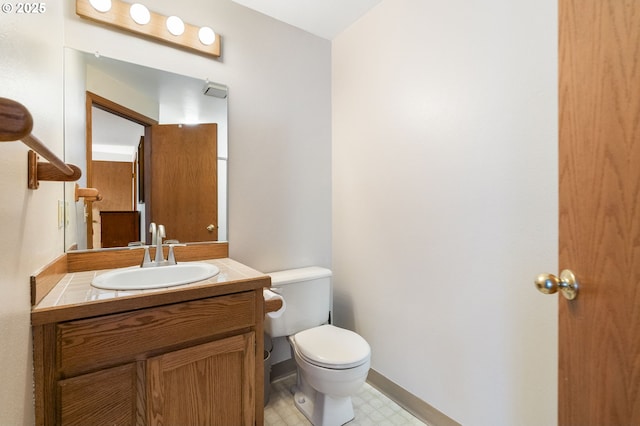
x: 307, y: 295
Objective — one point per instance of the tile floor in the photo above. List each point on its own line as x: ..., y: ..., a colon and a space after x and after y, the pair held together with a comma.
x: 371, y: 407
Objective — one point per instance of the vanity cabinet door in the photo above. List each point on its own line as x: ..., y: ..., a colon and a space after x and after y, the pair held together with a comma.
x: 208, y: 384
x: 107, y: 397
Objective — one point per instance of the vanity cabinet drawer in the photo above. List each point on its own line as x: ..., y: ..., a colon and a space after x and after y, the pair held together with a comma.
x: 94, y: 343
x: 113, y: 400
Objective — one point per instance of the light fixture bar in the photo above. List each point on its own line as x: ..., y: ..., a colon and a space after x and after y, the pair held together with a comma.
x: 118, y: 16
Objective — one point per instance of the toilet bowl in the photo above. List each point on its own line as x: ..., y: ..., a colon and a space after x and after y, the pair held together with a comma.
x: 332, y: 363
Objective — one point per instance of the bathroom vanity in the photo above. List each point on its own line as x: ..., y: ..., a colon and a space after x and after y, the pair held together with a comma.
x: 186, y: 355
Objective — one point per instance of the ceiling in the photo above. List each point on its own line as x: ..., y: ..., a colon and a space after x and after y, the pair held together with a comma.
x: 324, y: 18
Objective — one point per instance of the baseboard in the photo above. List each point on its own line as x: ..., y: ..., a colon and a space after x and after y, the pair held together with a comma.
x: 408, y: 401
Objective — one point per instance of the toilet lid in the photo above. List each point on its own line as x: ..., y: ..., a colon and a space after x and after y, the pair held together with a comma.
x: 332, y: 347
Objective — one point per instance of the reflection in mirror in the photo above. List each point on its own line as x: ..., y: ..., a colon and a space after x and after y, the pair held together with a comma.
x: 155, y: 147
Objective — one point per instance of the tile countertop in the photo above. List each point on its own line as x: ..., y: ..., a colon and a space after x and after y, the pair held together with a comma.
x: 75, y: 293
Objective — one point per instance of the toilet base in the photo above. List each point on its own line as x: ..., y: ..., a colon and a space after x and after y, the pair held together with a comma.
x: 321, y: 409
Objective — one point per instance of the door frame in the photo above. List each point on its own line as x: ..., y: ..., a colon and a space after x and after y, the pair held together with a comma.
x: 94, y: 100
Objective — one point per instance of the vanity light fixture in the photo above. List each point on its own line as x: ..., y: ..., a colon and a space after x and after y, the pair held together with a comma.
x: 138, y: 19
x: 101, y: 5
x: 175, y: 25
x: 140, y: 13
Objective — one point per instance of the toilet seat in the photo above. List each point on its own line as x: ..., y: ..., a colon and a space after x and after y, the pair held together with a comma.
x: 332, y: 347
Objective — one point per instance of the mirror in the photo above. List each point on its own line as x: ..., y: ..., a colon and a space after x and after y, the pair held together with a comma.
x: 115, y: 112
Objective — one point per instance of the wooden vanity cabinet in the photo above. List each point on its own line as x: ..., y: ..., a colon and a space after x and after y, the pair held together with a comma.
x: 188, y: 363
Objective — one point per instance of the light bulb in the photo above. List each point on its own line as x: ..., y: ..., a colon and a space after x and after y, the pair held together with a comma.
x: 140, y: 13
x: 206, y: 36
x: 101, y: 5
x: 175, y: 25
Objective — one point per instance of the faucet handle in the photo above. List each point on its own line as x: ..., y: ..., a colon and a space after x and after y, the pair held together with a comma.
x: 146, y: 260
x: 171, y: 258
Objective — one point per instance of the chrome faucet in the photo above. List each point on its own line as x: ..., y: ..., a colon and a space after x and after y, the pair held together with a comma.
x: 153, y: 230
x: 159, y: 236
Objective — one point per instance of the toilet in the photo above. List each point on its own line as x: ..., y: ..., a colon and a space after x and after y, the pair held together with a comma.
x: 332, y: 363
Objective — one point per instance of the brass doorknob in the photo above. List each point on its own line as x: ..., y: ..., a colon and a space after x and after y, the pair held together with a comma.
x: 567, y: 283
x: 211, y: 227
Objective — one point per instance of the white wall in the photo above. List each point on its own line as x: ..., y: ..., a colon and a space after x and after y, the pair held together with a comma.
x: 279, y: 159
x: 74, y: 108
x: 445, y: 201
x: 30, y: 73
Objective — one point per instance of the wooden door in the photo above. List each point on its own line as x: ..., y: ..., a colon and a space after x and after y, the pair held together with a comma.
x: 599, y: 332
x: 184, y: 181
x: 116, y: 182
x: 210, y: 384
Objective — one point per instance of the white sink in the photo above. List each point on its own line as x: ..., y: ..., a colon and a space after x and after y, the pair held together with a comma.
x: 137, y: 278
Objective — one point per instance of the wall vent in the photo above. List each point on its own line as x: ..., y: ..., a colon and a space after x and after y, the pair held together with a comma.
x: 215, y: 90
